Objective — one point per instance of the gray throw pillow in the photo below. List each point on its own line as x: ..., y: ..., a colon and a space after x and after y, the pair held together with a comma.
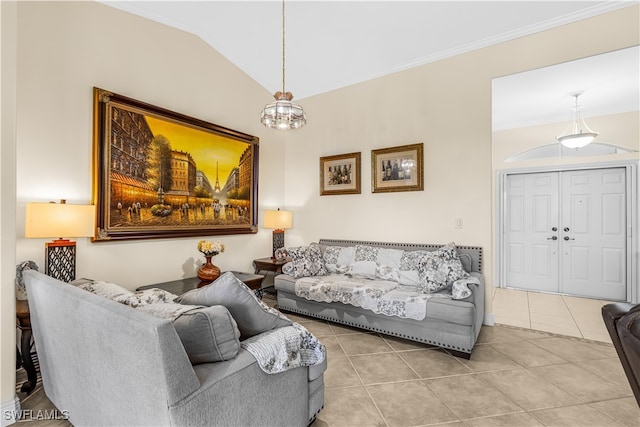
x: 252, y: 315
x: 208, y: 334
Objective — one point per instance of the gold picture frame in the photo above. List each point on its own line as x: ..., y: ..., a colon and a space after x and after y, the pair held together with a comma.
x: 340, y: 174
x: 398, y: 168
x: 161, y: 174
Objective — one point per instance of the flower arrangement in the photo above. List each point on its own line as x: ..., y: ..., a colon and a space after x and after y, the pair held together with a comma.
x: 209, y: 248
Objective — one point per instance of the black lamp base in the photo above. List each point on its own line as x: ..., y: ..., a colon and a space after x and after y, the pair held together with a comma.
x: 278, y: 241
x: 60, y: 260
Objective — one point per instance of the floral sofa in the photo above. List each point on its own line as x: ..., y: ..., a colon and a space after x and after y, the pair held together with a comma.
x: 432, y: 294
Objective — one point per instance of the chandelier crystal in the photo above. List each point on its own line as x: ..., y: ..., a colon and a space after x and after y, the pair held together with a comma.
x: 283, y: 114
x: 578, y: 134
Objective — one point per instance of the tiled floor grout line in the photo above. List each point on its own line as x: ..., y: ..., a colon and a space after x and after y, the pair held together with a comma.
x: 573, y: 318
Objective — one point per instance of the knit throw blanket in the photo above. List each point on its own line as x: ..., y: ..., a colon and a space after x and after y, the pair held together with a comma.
x: 285, y: 348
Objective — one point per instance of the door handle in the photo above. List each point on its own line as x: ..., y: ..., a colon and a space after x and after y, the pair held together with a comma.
x: 553, y: 238
x: 568, y: 238
x: 554, y: 229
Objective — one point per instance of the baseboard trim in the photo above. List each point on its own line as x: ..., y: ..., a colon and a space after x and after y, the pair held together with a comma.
x: 489, y: 319
x: 10, y: 411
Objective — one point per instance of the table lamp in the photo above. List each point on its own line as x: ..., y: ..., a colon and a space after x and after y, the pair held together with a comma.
x: 279, y: 221
x: 60, y: 220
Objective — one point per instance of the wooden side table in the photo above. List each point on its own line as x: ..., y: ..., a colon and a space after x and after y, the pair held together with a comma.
x: 180, y: 286
x: 269, y: 264
x: 23, y: 321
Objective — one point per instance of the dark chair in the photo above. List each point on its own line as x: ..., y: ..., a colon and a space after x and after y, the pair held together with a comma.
x: 623, y: 324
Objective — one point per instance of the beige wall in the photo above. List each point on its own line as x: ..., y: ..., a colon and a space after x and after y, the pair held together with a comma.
x: 447, y: 106
x: 64, y: 49
x: 7, y: 210
x: 67, y: 48
x: 621, y: 129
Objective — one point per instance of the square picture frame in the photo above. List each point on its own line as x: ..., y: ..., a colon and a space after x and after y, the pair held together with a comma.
x: 340, y: 174
x: 398, y: 168
x: 162, y: 174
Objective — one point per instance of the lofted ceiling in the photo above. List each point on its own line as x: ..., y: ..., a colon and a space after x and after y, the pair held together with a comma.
x: 333, y: 44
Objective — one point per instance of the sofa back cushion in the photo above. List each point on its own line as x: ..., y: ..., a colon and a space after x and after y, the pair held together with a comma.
x: 307, y: 261
x: 208, y: 334
x: 440, y: 268
x: 338, y: 259
x: 251, y: 315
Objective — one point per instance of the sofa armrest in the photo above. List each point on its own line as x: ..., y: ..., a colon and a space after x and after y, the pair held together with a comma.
x: 105, y: 346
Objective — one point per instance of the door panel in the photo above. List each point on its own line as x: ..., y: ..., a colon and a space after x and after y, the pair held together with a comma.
x: 594, y: 247
x: 585, y: 211
x: 532, y: 257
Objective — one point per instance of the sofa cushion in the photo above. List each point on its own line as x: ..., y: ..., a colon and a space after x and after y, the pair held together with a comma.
x: 338, y: 259
x: 251, y: 315
x: 440, y: 268
x: 307, y: 261
x: 409, y: 270
x: 208, y: 334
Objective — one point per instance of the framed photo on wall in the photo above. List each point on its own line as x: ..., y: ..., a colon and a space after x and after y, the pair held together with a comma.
x: 160, y: 174
x: 340, y: 174
x: 397, y: 169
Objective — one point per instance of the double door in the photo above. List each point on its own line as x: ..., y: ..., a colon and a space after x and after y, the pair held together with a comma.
x: 565, y: 232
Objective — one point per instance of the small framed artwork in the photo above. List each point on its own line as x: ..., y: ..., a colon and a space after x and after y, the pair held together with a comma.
x: 340, y: 174
x: 161, y: 174
x: 397, y: 169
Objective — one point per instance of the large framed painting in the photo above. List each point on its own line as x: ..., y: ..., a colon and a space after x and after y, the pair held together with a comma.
x: 160, y: 174
x: 340, y: 174
x: 397, y: 169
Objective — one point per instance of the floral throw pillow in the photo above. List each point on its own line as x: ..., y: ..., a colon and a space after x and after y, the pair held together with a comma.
x: 365, y: 262
x: 338, y: 259
x: 307, y: 261
x: 440, y: 268
x: 409, y: 270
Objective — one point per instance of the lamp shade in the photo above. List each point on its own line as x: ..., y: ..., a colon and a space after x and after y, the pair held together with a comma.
x: 53, y: 220
x: 280, y: 220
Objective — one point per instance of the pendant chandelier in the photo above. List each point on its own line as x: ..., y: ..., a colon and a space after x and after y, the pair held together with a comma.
x: 283, y: 114
x: 578, y: 133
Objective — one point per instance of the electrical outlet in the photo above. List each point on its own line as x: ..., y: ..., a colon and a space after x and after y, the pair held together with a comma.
x: 459, y: 223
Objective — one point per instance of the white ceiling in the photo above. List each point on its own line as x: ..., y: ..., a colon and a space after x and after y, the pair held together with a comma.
x: 333, y: 44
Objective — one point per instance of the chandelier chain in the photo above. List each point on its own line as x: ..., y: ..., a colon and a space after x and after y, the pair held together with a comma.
x: 283, y: 63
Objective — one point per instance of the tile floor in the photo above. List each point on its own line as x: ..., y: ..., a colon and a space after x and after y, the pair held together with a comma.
x: 558, y: 314
x: 516, y: 376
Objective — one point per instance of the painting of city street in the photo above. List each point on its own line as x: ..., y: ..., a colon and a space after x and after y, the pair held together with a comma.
x: 162, y: 174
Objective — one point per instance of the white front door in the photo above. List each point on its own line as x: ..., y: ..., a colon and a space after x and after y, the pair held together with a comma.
x: 565, y: 232
x: 532, y: 231
x: 593, y: 221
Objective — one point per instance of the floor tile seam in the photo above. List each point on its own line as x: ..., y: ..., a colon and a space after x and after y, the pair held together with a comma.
x: 436, y: 349
x: 531, y: 366
x: 581, y: 400
x: 409, y: 365
x: 375, y: 404
x: 487, y: 384
x: 573, y: 317
x: 595, y: 408
x: 557, y: 335
x: 614, y: 422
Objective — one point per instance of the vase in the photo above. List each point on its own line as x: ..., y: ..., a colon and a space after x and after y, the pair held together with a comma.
x: 208, y: 272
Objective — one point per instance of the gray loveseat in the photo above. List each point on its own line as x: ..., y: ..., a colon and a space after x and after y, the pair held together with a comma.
x: 449, y: 323
x: 105, y: 363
